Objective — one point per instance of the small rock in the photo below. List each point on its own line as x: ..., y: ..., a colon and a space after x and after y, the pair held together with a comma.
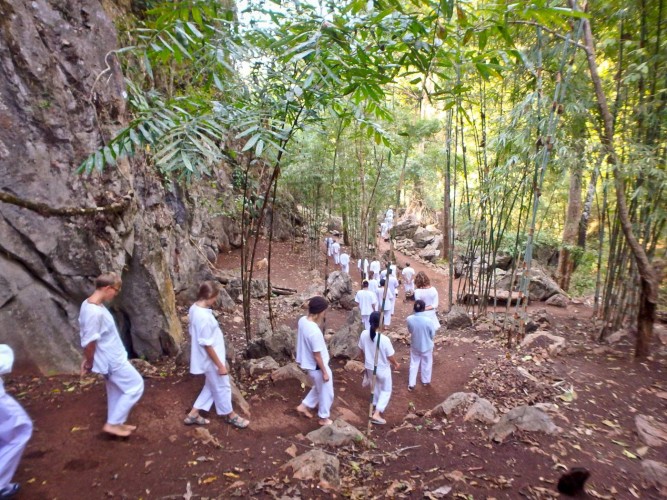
x: 354, y: 366
x: 340, y: 433
x: 345, y: 342
x: 238, y: 399
x: 316, y: 464
x: 556, y: 343
x: 457, y: 319
x: 616, y: 337
x: 479, y: 409
x: 655, y: 474
x: 291, y: 371
x: 651, y: 431
x: 525, y: 418
x: 255, y: 367
x: 557, y: 300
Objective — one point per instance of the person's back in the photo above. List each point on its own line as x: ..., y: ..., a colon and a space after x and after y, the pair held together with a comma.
x: 366, y: 300
x: 421, y: 331
x: 368, y: 346
x: 408, y: 273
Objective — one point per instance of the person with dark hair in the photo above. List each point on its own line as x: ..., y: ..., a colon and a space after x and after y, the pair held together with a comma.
x: 367, y: 301
x: 375, y: 267
x: 15, y: 429
x: 104, y: 353
x: 422, y: 331
x: 368, y: 344
x: 312, y: 355
x: 344, y: 260
x: 429, y: 295
x: 408, y: 274
x: 208, y: 358
x: 335, y: 251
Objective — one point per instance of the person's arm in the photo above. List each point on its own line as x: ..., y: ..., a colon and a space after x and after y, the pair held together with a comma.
x: 320, y: 364
x: 88, y: 357
x: 394, y: 362
x: 222, y: 369
x: 6, y: 359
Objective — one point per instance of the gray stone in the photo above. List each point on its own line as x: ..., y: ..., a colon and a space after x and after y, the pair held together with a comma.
x: 345, y: 341
x: 354, y: 366
x: 655, y: 474
x: 280, y: 345
x: 261, y: 366
x: 479, y: 409
x: 555, y: 343
x: 339, y: 287
x: 557, y: 300
x: 340, y: 433
x: 406, y: 227
x: 525, y: 418
x: 651, y: 431
x: 457, y: 319
x: 540, y: 287
x: 317, y: 465
x: 422, y: 237
x: 291, y: 371
x: 258, y: 289
x: 429, y: 254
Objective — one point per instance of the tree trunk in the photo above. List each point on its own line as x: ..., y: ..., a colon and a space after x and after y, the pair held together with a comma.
x: 588, y: 206
x: 648, y: 277
x: 572, y: 217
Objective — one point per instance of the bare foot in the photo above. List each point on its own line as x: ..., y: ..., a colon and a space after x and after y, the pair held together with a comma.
x: 128, y: 427
x: 116, y: 430
x: 325, y: 421
x: 304, y: 411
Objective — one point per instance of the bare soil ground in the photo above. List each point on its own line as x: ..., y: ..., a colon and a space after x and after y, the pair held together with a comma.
x: 598, y: 389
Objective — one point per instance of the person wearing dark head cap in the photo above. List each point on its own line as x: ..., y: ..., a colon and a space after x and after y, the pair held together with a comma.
x: 313, y: 357
x: 422, y: 331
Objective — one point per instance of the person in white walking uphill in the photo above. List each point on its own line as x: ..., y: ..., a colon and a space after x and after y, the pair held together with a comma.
x: 422, y: 331
x: 335, y: 251
x: 344, y: 261
x: 367, y: 301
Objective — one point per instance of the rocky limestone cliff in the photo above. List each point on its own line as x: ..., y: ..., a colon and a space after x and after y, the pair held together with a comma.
x: 54, y: 111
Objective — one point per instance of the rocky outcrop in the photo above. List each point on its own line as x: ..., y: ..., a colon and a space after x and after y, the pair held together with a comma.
x: 339, y: 288
x: 54, y: 112
x: 345, y: 341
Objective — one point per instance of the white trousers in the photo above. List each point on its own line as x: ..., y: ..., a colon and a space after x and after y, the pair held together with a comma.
x: 345, y: 268
x: 387, y: 317
x: 336, y: 257
x: 409, y: 287
x: 366, y: 320
x: 124, y: 388
x: 423, y: 359
x: 321, y: 395
x: 15, y: 431
x: 217, y: 389
x: 382, y: 390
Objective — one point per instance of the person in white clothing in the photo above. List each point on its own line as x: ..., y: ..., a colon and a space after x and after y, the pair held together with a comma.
x: 344, y: 260
x: 328, y: 242
x: 392, y: 284
x: 362, y: 265
x: 422, y: 332
x: 15, y: 429
x: 335, y: 251
x: 408, y: 274
x: 208, y: 358
x: 367, y: 301
x: 388, y: 301
x: 384, y: 231
x: 429, y: 295
x: 312, y: 355
x: 104, y: 353
x: 371, y: 341
x: 375, y: 268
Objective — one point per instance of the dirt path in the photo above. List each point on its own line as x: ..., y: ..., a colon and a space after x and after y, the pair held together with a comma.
x: 69, y: 458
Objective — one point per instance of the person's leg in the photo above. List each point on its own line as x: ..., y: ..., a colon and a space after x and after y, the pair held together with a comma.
x: 205, y: 399
x: 326, y: 399
x: 366, y: 319
x: 384, y: 393
x: 414, y: 367
x: 15, y: 432
x: 387, y: 317
x: 128, y: 388
x: 426, y: 366
x: 313, y: 397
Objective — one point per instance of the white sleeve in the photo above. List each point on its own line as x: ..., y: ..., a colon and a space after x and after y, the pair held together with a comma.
x: 389, y: 349
x: 206, y: 336
x: 435, y: 298
x: 91, y: 329
x: 356, y: 298
x: 6, y: 359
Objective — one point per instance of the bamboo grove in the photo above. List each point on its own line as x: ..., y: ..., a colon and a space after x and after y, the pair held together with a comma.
x: 514, y: 126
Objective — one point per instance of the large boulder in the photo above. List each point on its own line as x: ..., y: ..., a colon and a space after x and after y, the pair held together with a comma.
x: 423, y: 237
x: 525, y: 418
x: 279, y: 344
x: 291, y: 371
x: 339, y: 287
x: 457, y: 318
x: 429, y: 254
x: 479, y: 409
x: 345, y: 341
x: 258, y: 289
x: 405, y: 227
x: 655, y: 475
x: 261, y: 366
x: 557, y: 300
x: 540, y: 287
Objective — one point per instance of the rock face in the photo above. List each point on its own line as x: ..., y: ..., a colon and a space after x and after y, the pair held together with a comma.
x: 291, y: 371
x: 406, y: 227
x: 540, y: 287
x: 280, y: 345
x: 54, y: 112
x: 557, y: 300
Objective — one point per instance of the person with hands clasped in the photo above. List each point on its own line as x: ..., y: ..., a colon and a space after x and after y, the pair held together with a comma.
x: 207, y: 357
x: 312, y: 356
x: 104, y: 353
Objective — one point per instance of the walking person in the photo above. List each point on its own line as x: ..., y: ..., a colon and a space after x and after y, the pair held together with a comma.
x: 385, y: 357
x: 422, y: 331
x: 389, y: 301
x: 375, y: 268
x: 328, y: 241
x: 408, y: 274
x: 392, y: 285
x: 362, y: 265
x: 344, y: 261
x: 367, y: 301
x: 429, y: 295
x: 15, y: 429
x: 335, y: 251
x: 208, y: 358
x: 104, y: 353
x: 312, y: 355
